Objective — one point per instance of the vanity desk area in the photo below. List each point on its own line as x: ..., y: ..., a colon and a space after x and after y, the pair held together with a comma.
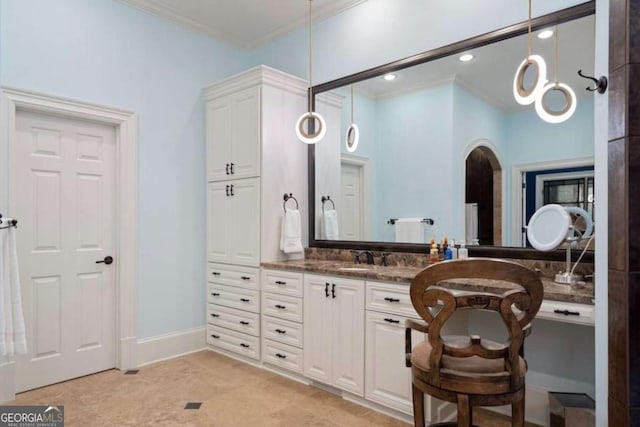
x: 353, y: 331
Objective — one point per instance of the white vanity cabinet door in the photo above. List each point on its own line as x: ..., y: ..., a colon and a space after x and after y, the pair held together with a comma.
x: 387, y: 379
x: 219, y: 135
x: 244, y: 149
x: 244, y: 222
x: 233, y: 222
x: 347, y: 315
x: 317, y: 329
x: 233, y: 135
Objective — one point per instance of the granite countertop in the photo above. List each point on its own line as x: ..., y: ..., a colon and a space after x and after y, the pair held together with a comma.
x: 405, y: 274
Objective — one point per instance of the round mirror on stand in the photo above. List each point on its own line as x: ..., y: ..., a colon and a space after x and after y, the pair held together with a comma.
x: 552, y: 225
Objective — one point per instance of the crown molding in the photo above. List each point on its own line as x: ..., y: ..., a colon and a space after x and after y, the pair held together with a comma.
x: 255, y: 76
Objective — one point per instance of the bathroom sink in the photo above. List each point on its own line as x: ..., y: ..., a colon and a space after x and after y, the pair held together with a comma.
x: 355, y: 269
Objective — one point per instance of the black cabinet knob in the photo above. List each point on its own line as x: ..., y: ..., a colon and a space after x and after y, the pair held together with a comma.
x: 107, y: 260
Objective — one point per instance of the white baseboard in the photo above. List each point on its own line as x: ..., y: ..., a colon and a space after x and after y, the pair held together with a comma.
x: 168, y: 346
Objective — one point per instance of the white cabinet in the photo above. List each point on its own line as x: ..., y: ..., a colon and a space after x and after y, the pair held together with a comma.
x: 233, y: 135
x: 334, y: 332
x: 233, y: 228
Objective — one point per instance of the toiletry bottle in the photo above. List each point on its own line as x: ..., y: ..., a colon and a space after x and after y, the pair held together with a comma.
x: 433, y: 253
x: 463, y: 252
x: 448, y: 253
x: 441, y: 249
x: 454, y: 250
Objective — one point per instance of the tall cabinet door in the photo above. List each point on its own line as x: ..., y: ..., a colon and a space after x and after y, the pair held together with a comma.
x: 317, y: 328
x: 245, y: 146
x: 348, y: 335
x: 219, y: 135
x: 244, y: 223
x: 218, y: 222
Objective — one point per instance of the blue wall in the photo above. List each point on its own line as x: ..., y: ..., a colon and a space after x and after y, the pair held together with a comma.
x: 104, y: 52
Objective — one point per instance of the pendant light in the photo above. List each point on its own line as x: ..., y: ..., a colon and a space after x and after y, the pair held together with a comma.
x: 522, y: 95
x: 352, y: 136
x: 303, y: 123
x: 570, y: 103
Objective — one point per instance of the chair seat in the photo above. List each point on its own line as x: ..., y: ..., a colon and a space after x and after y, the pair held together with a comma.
x: 467, y: 375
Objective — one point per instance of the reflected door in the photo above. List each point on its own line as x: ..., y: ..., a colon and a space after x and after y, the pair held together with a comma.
x: 65, y: 173
x: 351, y: 197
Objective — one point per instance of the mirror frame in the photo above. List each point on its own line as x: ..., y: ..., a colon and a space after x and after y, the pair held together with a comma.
x: 569, y: 14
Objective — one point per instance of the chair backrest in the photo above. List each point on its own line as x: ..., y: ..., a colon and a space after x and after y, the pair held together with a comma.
x: 526, y: 297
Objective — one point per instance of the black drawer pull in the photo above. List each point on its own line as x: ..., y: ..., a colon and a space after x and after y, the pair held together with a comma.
x: 215, y: 294
x: 567, y: 312
x: 242, y: 322
x: 326, y: 290
x: 245, y: 300
x: 281, y: 307
x: 281, y: 331
x: 392, y: 299
x: 245, y: 277
x: 333, y: 290
x: 215, y: 336
x: 281, y: 356
x: 215, y: 273
x: 215, y: 315
x: 227, y: 169
x: 280, y: 282
x: 232, y: 172
x: 391, y: 320
x: 244, y: 345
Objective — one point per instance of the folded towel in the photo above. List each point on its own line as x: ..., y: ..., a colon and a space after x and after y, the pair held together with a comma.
x: 330, y: 224
x: 291, y: 232
x: 12, y: 331
x: 409, y: 230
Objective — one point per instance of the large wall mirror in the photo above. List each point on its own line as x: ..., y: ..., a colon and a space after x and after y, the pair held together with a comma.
x: 445, y: 145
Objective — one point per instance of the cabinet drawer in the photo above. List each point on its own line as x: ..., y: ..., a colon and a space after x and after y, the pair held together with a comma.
x: 243, y: 299
x: 568, y: 312
x: 242, y: 277
x: 282, y: 282
x: 282, y: 330
x: 237, y: 342
x: 230, y: 318
x: 389, y: 298
x: 283, y: 355
x: 281, y: 306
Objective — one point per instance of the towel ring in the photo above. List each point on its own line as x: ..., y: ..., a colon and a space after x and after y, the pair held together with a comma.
x: 325, y: 199
x: 286, y: 198
x: 12, y: 223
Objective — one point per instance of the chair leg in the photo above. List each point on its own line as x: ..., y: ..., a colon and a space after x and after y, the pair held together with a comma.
x: 517, y: 413
x: 464, y: 411
x: 418, y: 406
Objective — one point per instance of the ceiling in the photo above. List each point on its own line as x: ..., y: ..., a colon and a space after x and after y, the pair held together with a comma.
x: 490, y: 74
x: 244, y: 23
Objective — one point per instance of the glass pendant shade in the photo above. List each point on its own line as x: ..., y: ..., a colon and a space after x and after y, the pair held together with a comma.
x: 352, y: 137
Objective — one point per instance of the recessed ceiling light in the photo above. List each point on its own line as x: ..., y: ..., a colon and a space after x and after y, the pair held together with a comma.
x: 545, y: 34
x: 466, y: 57
x: 389, y: 77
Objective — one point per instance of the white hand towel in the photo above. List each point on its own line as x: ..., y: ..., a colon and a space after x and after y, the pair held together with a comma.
x: 291, y: 232
x: 13, y: 338
x: 330, y: 224
x: 409, y: 230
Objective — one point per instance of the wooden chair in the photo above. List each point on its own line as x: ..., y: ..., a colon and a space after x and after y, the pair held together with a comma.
x: 468, y: 370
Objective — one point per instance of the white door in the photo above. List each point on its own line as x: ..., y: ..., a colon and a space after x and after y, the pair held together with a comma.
x: 219, y: 134
x: 351, y: 201
x: 245, y: 146
x: 65, y: 203
x: 348, y: 335
x: 219, y: 221
x: 317, y: 328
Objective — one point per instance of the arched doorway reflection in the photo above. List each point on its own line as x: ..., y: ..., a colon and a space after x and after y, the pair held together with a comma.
x: 483, y: 195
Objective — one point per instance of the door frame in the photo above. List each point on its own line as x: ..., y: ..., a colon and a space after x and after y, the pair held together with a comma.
x: 363, y: 164
x: 516, y: 189
x: 126, y: 229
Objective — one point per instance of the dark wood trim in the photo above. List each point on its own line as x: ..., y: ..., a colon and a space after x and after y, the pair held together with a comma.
x: 565, y: 15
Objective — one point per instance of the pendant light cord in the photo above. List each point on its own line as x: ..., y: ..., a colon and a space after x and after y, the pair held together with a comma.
x: 310, y: 55
x: 351, y: 103
x: 555, y: 65
x: 529, y: 32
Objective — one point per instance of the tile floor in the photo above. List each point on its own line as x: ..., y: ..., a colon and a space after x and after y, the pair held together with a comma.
x: 231, y: 394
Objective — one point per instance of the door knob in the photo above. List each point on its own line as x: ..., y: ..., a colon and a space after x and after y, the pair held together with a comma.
x: 107, y: 260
